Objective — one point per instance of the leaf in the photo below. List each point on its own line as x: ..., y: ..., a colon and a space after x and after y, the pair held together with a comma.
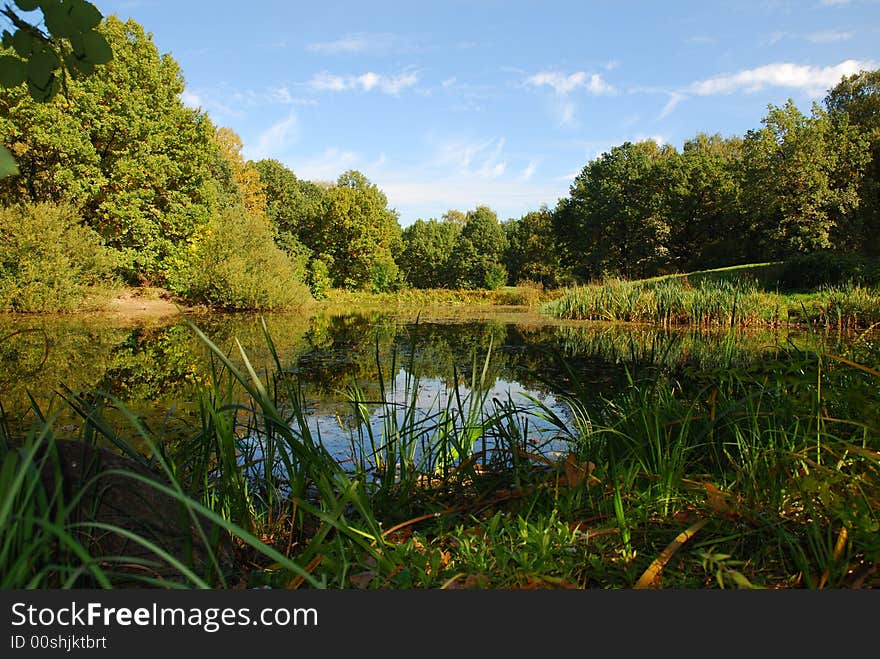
x: 23, y: 42
x: 78, y: 66
x: 41, y: 66
x: 83, y: 15
x: 96, y: 48
x: 44, y: 94
x: 8, y: 167
x: 57, y: 20
x: 650, y: 575
x: 27, y: 5
x: 12, y: 71
x: 576, y: 472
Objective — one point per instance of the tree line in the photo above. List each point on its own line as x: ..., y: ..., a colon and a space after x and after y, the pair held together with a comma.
x: 168, y: 198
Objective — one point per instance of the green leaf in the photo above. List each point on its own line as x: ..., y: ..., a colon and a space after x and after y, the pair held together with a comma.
x: 78, y: 66
x: 41, y: 67
x: 12, y: 71
x: 44, y: 94
x: 97, y: 50
x: 58, y: 21
x: 23, y: 43
x: 84, y: 15
x: 7, y: 163
x: 27, y: 5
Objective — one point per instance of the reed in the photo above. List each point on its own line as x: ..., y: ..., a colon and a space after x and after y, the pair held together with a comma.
x: 712, y: 302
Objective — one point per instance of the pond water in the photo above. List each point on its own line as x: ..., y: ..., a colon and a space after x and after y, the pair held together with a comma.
x: 154, y: 368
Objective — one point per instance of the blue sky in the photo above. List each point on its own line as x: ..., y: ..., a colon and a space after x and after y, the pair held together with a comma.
x: 498, y: 102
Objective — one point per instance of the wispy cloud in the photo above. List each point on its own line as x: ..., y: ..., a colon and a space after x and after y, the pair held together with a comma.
x: 328, y: 165
x: 283, y: 96
x: 700, y: 40
x: 529, y: 171
x: 823, y: 36
x: 418, y: 196
x: 814, y: 80
x: 275, y: 141
x: 565, y: 84
x: 368, y: 81
x: 483, y: 159
x: 360, y: 43
x: 674, y: 99
x: 835, y: 3
x: 829, y: 36
x: 191, y: 99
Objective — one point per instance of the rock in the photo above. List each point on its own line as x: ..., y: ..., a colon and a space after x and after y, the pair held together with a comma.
x: 126, y: 503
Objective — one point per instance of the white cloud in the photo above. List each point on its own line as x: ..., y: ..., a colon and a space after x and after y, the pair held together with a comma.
x: 829, y: 36
x: 326, y: 82
x: 418, y: 196
x: 566, y: 112
x: 368, y: 81
x: 814, y: 80
x: 477, y: 160
x: 326, y: 166
x: 191, y: 100
x: 282, y: 95
x: 565, y: 84
x: 674, y: 99
x: 835, y: 3
x: 659, y: 140
x: 529, y: 171
x: 275, y: 140
x: 355, y: 43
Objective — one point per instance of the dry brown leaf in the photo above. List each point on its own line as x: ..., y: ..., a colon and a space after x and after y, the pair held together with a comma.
x: 363, y: 579
x: 576, y: 472
x: 650, y: 576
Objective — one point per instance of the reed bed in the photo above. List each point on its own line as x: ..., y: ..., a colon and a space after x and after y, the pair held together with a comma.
x: 738, y: 302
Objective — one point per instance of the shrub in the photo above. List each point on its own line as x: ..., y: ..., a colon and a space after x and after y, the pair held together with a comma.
x: 50, y: 261
x: 234, y: 263
x: 809, y: 271
x: 319, y: 278
x: 385, y: 277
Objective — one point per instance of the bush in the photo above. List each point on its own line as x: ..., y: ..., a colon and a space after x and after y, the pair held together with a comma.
x: 234, y: 263
x: 810, y: 271
x: 319, y: 278
x: 385, y: 277
x: 49, y: 261
x: 495, y: 276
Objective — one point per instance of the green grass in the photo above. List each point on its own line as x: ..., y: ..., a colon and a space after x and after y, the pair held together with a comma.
x: 741, y: 296
x: 524, y: 295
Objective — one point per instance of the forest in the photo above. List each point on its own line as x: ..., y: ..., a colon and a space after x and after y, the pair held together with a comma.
x: 136, y: 188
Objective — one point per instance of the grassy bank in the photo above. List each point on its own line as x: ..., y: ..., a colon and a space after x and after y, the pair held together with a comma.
x: 761, y: 476
x: 747, y: 296
x: 420, y: 297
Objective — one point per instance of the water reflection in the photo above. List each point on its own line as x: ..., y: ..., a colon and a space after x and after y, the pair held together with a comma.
x: 156, y: 369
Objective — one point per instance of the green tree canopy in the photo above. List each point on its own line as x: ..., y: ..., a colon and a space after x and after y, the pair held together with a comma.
x: 143, y: 169
x: 611, y: 223
x: 802, y: 178
x: 427, y: 248
x: 855, y: 101
x: 356, y: 234
x: 700, y: 191
x: 478, y: 251
x: 531, y: 252
x: 291, y: 203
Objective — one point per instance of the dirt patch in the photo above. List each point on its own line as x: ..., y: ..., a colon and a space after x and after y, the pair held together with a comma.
x: 144, y: 303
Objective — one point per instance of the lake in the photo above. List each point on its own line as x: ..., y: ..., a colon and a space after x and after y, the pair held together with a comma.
x: 155, y: 367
